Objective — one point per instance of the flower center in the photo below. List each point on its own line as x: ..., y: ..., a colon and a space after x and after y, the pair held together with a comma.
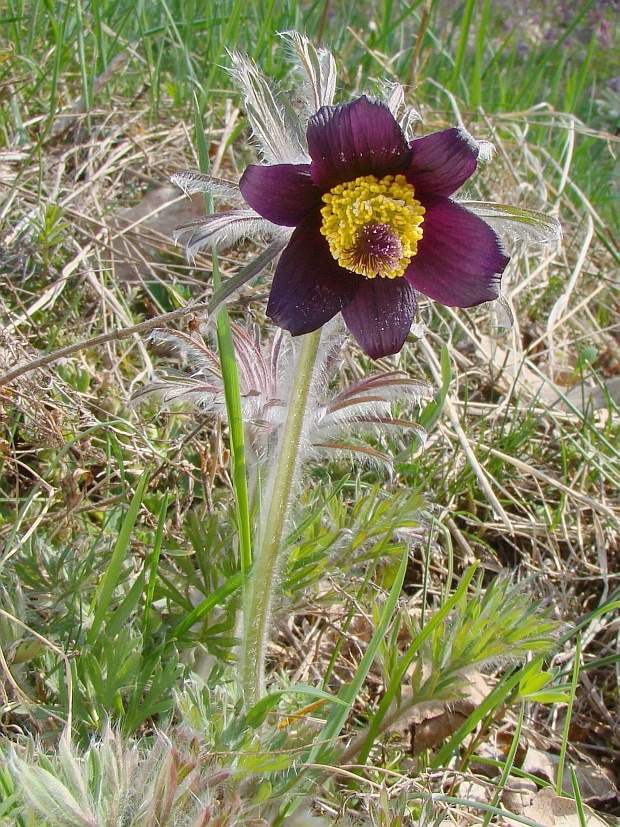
x: 372, y: 226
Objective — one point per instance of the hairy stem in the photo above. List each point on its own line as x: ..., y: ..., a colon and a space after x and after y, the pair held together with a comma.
x: 263, y: 577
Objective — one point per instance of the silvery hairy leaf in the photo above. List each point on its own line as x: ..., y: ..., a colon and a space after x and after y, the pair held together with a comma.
x: 319, y: 69
x: 529, y: 225
x: 192, y: 181
x: 275, y: 125
x: 502, y: 316
x: 394, y: 96
x: 265, y: 371
x: 226, y: 228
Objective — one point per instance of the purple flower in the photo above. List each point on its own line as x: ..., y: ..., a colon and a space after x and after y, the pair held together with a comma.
x: 374, y: 225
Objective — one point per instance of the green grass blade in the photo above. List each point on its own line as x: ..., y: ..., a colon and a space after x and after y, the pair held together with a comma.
x: 230, y: 379
x: 507, y: 769
x: 475, y: 92
x: 567, y: 718
x: 349, y: 693
x: 432, y: 412
x: 214, y: 599
x: 462, y: 46
x: 243, y: 275
x: 257, y: 714
x: 61, y: 37
x: 120, y: 615
x: 110, y: 578
x: 480, y: 805
x: 581, y: 813
x: 82, y: 59
x: 548, y: 59
x: 381, y: 550
x: 491, y: 702
x: 232, y: 393
x: 580, y: 78
x: 155, y: 555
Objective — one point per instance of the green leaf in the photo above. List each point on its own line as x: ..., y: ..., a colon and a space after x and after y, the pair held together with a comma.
x: 128, y: 605
x: 111, y: 577
x: 554, y: 695
x: 214, y: 599
x: 349, y: 692
x: 260, y: 762
x: 259, y: 711
x: 534, y: 686
x: 398, y: 677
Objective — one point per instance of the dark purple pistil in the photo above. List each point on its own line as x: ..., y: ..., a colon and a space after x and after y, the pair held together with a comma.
x: 377, y: 250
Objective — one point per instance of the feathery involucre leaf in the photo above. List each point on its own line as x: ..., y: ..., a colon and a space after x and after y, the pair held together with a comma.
x: 529, y: 225
x: 191, y: 182
x: 277, y: 129
x: 265, y: 373
x: 225, y: 229
x: 318, y: 72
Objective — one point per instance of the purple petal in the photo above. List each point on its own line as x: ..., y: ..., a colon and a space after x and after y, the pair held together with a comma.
x: 283, y: 193
x: 359, y: 138
x: 460, y: 259
x: 309, y: 286
x: 442, y: 162
x: 380, y: 315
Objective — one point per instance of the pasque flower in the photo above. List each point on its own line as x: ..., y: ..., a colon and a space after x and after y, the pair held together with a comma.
x: 374, y: 226
x: 363, y: 218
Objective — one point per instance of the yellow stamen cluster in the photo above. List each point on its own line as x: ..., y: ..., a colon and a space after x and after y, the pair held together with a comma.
x: 353, y: 209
